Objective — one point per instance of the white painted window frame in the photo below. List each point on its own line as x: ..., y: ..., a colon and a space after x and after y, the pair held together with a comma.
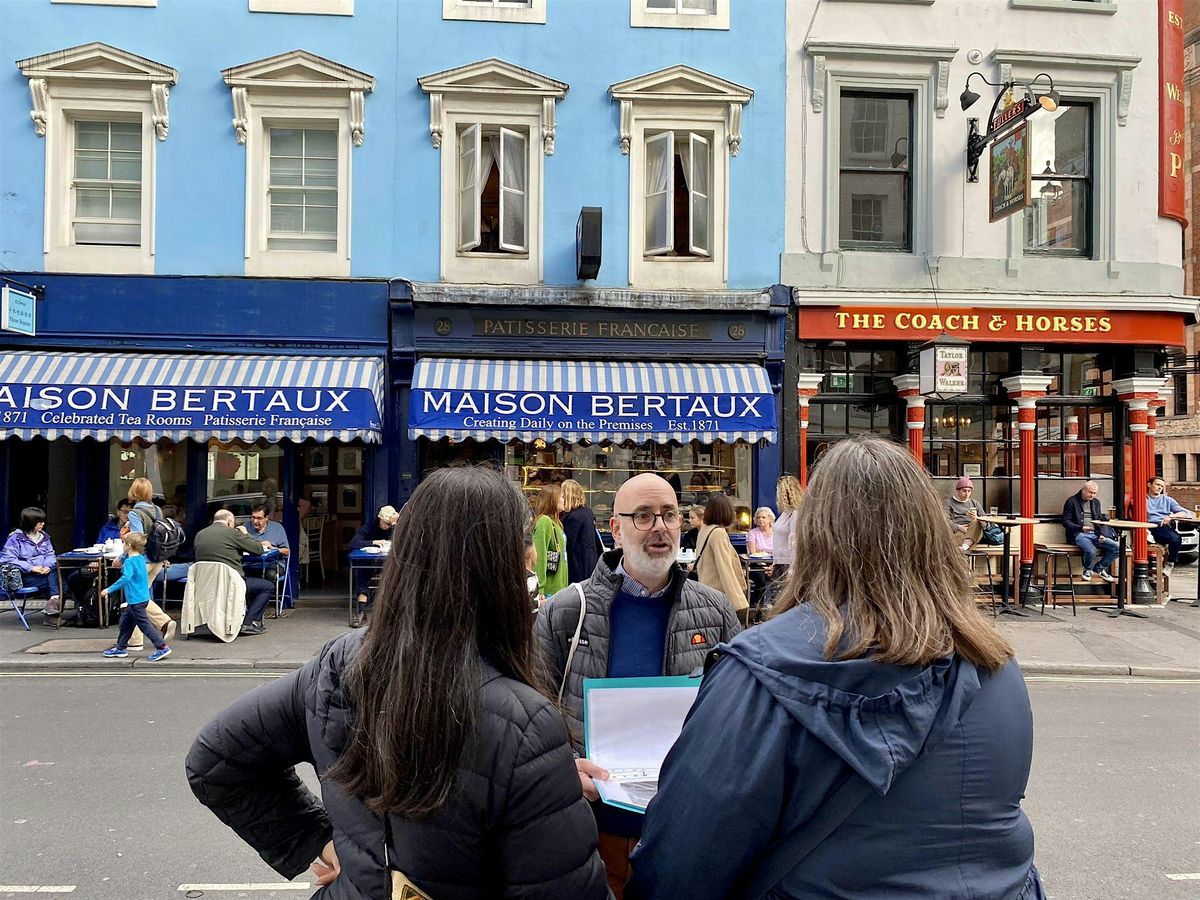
x: 65, y: 88
x: 304, y: 7
x: 531, y: 13
x: 1104, y: 8
x: 652, y: 271
x: 920, y: 71
x: 1106, y: 82
x: 268, y: 112
x: 147, y: 3
x: 642, y: 17
x: 467, y: 266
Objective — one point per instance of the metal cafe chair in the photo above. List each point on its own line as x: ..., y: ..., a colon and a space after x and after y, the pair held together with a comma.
x: 23, y: 594
x: 313, y: 528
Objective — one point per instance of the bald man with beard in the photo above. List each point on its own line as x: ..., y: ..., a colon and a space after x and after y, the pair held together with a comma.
x: 643, y: 617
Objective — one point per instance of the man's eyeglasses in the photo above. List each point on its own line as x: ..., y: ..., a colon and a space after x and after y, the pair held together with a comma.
x: 644, y: 521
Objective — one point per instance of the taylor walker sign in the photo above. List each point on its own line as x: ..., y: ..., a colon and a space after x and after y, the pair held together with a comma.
x: 508, y: 411
x: 77, y: 406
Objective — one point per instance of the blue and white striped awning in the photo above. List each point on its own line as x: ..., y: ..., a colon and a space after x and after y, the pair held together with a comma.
x: 593, y: 401
x: 154, y: 396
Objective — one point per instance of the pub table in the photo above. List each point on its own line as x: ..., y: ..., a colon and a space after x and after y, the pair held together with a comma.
x: 1008, y: 523
x: 1122, y: 526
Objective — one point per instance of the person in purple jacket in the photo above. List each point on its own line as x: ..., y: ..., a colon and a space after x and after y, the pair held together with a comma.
x: 29, y: 549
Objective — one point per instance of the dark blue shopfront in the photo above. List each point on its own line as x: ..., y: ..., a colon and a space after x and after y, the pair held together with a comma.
x: 222, y: 391
x: 555, y: 383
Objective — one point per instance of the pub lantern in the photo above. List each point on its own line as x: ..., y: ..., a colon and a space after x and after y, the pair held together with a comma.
x: 943, y: 368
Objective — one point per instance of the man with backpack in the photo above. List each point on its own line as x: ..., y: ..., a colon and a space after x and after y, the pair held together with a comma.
x: 163, y: 537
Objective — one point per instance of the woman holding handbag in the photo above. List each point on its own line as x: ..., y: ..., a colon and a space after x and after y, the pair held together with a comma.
x: 444, y: 774
x: 872, y: 739
x: 551, y: 541
x: 717, y: 563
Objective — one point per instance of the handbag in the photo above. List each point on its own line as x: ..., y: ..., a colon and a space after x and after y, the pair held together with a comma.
x: 694, y: 572
x: 553, y: 556
x: 402, y: 886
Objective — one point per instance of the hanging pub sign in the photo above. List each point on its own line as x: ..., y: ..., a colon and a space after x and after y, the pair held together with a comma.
x: 1172, y: 120
x: 943, y: 368
x: 1009, y: 182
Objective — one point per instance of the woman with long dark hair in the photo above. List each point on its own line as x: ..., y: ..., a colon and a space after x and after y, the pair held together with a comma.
x: 436, y: 756
x: 873, y: 738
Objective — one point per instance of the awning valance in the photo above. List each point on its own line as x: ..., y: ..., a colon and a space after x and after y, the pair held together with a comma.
x: 593, y: 401
x: 154, y: 396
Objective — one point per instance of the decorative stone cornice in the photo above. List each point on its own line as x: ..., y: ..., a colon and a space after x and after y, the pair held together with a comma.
x: 1025, y: 389
x: 297, y: 73
x: 495, y: 78
x: 1038, y: 60
x: 936, y: 55
x: 1138, y: 389
x: 100, y: 65
x: 808, y: 384
x: 682, y: 86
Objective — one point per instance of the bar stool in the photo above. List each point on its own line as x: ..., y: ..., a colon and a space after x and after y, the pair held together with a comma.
x: 990, y: 591
x: 1050, y: 588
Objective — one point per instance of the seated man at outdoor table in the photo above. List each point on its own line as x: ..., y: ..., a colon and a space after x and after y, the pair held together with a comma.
x: 1161, y: 511
x: 1081, y: 515
x: 225, y: 542
x: 964, y: 512
x: 264, y: 528
x: 372, y: 534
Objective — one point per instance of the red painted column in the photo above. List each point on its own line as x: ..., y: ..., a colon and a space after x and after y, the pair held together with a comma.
x: 907, y: 387
x: 808, y: 385
x: 1138, y: 393
x: 1025, y: 390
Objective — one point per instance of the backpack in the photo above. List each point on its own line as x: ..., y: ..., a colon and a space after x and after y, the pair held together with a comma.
x: 88, y: 614
x: 164, y: 536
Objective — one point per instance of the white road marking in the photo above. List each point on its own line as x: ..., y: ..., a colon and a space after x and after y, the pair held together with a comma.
x: 251, y: 886
x: 1109, y: 679
x: 1185, y: 876
x: 265, y: 674
x: 37, y: 888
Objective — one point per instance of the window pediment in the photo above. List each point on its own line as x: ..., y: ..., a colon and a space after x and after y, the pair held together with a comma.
x: 493, y: 79
x: 101, y: 65
x: 294, y: 74
x: 681, y: 88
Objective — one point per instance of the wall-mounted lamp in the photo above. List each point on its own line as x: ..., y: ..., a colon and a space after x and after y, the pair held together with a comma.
x: 1003, y: 119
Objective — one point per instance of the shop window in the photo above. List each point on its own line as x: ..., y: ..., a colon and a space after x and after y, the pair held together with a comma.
x: 678, y: 195
x: 875, y: 187
x: 679, y: 14
x: 531, y: 12
x: 241, y: 475
x: 302, y: 190
x: 1059, y: 219
x: 102, y: 111
x: 1158, y: 465
x: 1196, y: 466
x: 164, y: 462
x: 493, y: 189
x: 299, y: 116
x: 694, y: 470
x: 1181, y: 469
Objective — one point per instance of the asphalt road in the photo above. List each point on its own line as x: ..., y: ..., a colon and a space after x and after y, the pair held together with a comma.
x: 92, y: 792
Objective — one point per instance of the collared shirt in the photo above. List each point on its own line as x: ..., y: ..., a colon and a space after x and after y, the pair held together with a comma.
x: 634, y: 587
x: 273, y: 532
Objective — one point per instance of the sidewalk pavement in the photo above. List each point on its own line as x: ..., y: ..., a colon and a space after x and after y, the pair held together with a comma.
x: 1166, y: 644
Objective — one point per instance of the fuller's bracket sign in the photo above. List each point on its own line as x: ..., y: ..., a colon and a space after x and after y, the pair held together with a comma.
x: 1009, y: 176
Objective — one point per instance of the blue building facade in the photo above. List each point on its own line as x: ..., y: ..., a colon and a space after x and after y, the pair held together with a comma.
x: 401, y: 186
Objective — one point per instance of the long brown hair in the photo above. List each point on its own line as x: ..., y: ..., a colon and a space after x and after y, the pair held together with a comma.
x: 875, y: 558
x: 453, y: 594
x: 547, y: 503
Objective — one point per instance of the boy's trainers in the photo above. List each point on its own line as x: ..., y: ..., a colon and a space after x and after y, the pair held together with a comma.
x: 116, y: 653
x: 1104, y: 574
x: 1087, y: 575
x: 159, y: 654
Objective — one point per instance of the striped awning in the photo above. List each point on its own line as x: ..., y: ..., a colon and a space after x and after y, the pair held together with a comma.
x: 152, y: 396
x: 593, y: 401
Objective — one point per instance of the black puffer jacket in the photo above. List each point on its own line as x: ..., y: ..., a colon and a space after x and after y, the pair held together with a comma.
x: 516, y: 824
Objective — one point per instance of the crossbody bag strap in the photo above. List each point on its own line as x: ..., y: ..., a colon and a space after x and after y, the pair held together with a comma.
x: 562, y: 688
x: 785, y: 854
x: 700, y: 552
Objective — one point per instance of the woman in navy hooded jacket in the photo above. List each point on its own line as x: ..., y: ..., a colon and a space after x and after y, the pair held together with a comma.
x: 876, y: 665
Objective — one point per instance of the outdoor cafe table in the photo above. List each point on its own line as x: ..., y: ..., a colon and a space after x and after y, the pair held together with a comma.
x: 1008, y: 523
x: 363, y: 559
x: 1122, y: 526
x: 81, y: 559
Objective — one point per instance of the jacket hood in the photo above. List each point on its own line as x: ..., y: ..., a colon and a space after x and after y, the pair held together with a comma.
x: 876, y: 717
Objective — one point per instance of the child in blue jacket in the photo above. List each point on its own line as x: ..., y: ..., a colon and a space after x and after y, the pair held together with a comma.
x: 135, y: 584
